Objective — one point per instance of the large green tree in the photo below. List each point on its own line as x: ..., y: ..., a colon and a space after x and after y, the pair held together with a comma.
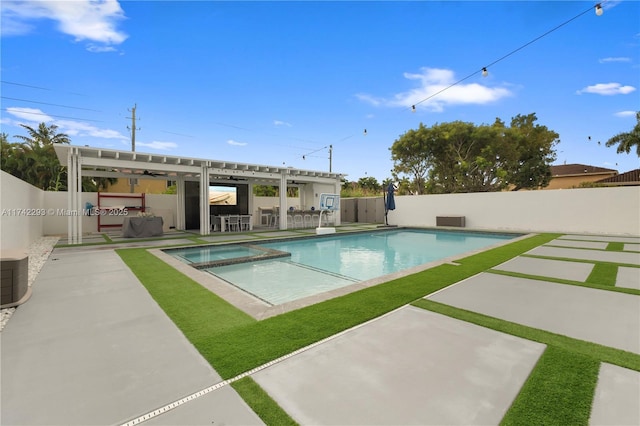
x: 627, y: 140
x: 462, y: 157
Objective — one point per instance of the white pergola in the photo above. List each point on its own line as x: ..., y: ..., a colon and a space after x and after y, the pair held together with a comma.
x: 99, y: 162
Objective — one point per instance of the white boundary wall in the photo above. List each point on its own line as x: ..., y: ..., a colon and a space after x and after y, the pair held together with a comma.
x: 614, y: 211
x: 19, y: 203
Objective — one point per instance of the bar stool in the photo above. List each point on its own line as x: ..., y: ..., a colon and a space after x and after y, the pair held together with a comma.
x: 275, y: 217
x: 308, y: 223
x: 275, y: 220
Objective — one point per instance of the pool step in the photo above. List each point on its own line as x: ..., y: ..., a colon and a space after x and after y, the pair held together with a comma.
x: 267, y: 254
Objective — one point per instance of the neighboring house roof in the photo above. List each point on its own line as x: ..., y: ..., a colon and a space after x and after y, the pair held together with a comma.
x: 629, y: 178
x: 565, y: 170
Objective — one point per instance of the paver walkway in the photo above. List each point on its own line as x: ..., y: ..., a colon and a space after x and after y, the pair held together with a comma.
x: 599, y: 316
x: 410, y: 367
x: 617, y: 393
x: 92, y: 347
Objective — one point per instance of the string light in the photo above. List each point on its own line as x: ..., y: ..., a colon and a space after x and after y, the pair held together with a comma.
x: 365, y: 132
x: 599, y: 10
x: 413, y: 108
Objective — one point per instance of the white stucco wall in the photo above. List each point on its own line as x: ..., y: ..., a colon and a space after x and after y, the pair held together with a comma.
x: 613, y: 211
x: 20, y: 220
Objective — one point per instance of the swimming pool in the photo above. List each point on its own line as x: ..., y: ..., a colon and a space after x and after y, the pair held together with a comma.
x: 278, y: 272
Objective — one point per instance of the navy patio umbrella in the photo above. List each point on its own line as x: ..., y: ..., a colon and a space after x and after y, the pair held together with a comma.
x: 389, y: 202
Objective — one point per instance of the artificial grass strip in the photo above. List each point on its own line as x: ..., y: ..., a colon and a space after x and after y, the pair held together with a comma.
x: 198, y: 312
x: 615, y: 246
x: 597, y: 285
x: 261, y: 403
x: 559, y: 391
x: 570, y: 259
x: 234, y: 344
x: 579, y: 347
x: 603, y: 274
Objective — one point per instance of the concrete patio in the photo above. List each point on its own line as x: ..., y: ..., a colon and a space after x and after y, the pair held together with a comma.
x: 92, y: 347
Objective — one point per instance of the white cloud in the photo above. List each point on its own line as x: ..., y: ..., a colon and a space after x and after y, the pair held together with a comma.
x: 34, y: 116
x: 616, y: 59
x: 83, y: 19
x: 10, y: 25
x: 164, y: 146
x: 279, y: 123
x: 625, y: 114
x: 236, y: 143
x: 77, y: 128
x: 439, y: 88
x: 607, y: 89
x: 30, y: 115
x: 100, y: 49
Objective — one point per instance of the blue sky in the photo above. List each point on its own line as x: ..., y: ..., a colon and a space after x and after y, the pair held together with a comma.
x: 278, y: 82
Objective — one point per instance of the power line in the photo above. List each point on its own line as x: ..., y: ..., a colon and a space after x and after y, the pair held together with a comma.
x: 23, y: 85
x: 37, y: 87
x: 46, y: 103
x: 51, y: 115
x: 177, y: 134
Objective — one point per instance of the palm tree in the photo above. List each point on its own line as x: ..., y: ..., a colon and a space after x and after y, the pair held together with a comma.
x: 45, y: 135
x: 34, y: 160
x: 627, y: 140
x: 37, y: 160
x: 12, y: 159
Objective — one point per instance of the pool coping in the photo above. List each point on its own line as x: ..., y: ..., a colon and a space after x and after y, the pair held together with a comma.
x: 259, y: 309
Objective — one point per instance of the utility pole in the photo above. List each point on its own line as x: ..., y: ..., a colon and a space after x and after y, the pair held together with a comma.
x: 330, y: 156
x: 133, y: 141
x: 133, y: 128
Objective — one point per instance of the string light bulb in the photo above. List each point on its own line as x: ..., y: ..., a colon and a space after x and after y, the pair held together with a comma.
x: 365, y: 132
x: 485, y: 72
x: 599, y: 10
x: 413, y: 108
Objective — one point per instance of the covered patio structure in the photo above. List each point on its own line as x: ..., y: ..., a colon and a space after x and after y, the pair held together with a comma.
x: 87, y: 161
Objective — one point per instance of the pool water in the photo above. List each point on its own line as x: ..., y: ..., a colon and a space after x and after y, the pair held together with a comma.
x: 320, y: 264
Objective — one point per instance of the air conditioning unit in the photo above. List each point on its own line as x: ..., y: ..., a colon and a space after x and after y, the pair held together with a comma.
x: 450, y: 221
x: 14, y: 284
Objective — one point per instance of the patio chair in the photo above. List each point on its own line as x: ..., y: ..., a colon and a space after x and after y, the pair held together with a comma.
x: 216, y: 223
x: 245, y: 222
x: 298, y: 221
x: 233, y: 222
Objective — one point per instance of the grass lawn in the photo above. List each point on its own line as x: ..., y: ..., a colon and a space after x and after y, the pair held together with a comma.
x: 233, y: 342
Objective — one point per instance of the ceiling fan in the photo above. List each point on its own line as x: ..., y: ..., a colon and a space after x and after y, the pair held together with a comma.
x: 152, y: 174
